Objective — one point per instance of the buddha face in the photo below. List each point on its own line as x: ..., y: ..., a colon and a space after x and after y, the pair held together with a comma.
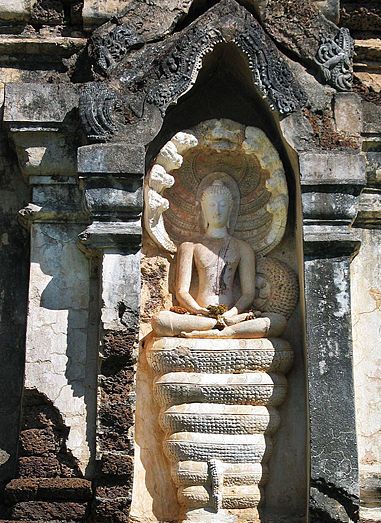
x: 216, y: 205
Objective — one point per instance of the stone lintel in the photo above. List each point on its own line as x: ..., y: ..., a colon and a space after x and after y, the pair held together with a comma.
x: 112, y: 236
x: 48, y: 50
x: 121, y: 159
x: 35, y: 104
x: 43, y: 127
x: 322, y: 241
x: 55, y: 203
x: 331, y: 168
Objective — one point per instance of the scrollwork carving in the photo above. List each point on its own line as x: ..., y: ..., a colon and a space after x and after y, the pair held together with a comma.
x: 335, y: 57
x: 108, y: 49
x: 96, y: 107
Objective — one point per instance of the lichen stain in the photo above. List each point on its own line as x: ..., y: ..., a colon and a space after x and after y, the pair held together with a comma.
x: 376, y: 295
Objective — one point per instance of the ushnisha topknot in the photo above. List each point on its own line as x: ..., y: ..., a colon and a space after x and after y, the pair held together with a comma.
x: 217, y: 187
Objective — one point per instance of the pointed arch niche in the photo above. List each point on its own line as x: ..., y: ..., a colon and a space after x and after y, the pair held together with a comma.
x: 224, y: 89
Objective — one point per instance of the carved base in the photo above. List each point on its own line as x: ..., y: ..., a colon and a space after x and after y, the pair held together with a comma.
x: 195, y: 516
x: 218, y: 400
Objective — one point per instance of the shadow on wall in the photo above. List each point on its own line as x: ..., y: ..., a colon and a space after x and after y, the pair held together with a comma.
x: 58, y: 332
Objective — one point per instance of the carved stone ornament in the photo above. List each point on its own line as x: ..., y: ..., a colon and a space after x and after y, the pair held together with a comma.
x: 158, y: 74
x: 335, y: 57
x: 217, y: 149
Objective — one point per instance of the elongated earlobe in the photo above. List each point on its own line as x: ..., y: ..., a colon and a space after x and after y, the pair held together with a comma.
x: 205, y: 223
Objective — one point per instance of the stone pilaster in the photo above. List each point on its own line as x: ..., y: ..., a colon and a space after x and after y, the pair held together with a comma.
x: 331, y: 184
x: 56, y: 444
x: 112, y: 176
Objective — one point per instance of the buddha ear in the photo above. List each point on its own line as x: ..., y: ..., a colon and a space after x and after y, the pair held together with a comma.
x: 230, y: 213
x: 203, y: 219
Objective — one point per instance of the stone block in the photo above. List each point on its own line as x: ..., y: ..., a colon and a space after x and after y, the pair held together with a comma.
x: 49, y: 511
x: 114, y: 489
x: 38, y: 442
x: 15, y: 11
x: 122, y: 201
x: 153, y: 19
x: 348, y: 113
x: 116, y: 465
x: 43, y: 489
x: 39, y: 103
x: 96, y: 13
x: 45, y: 154
x: 371, y: 117
x: 369, y: 212
x: 338, y: 204
x: 373, y: 168
x: 38, y: 466
x: 121, y: 159
x: 332, y: 168
x: 119, y: 508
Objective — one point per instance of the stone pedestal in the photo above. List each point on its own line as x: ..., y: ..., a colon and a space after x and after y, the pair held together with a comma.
x: 218, y: 402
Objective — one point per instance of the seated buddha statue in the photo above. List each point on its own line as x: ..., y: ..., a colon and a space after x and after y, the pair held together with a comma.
x: 217, y: 310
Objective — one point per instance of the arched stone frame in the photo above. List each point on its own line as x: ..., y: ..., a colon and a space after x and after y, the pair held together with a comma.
x: 121, y: 163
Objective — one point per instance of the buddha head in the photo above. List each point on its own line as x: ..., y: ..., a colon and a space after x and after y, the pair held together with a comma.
x: 216, y: 205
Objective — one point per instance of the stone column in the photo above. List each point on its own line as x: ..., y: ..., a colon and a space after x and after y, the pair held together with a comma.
x: 112, y: 176
x: 331, y: 184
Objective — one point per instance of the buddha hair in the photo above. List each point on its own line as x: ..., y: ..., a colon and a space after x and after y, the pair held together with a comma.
x: 218, y: 188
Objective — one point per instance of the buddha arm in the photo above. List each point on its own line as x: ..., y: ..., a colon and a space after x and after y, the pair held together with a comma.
x: 246, y: 271
x: 184, y: 277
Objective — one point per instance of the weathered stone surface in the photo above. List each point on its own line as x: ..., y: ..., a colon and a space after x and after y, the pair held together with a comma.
x: 16, y: 10
x: 45, y: 154
x: 372, y: 117
x: 38, y: 466
x: 369, y: 212
x: 373, y: 168
x: 57, y: 489
x: 363, y: 15
x: 304, y: 23
x: 330, y: 9
x: 49, y: 511
x: 39, y: 103
x: 116, y: 465
x: 121, y: 159
x: 57, y: 364
x: 366, y: 310
x: 332, y: 168
x: 43, y: 441
x: 147, y: 19
x: 348, y: 113
x: 37, y: 442
x: 334, y: 473
x: 112, y: 510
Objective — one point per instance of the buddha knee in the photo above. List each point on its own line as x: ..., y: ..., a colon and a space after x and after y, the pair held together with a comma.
x: 161, y: 324
x: 278, y: 324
